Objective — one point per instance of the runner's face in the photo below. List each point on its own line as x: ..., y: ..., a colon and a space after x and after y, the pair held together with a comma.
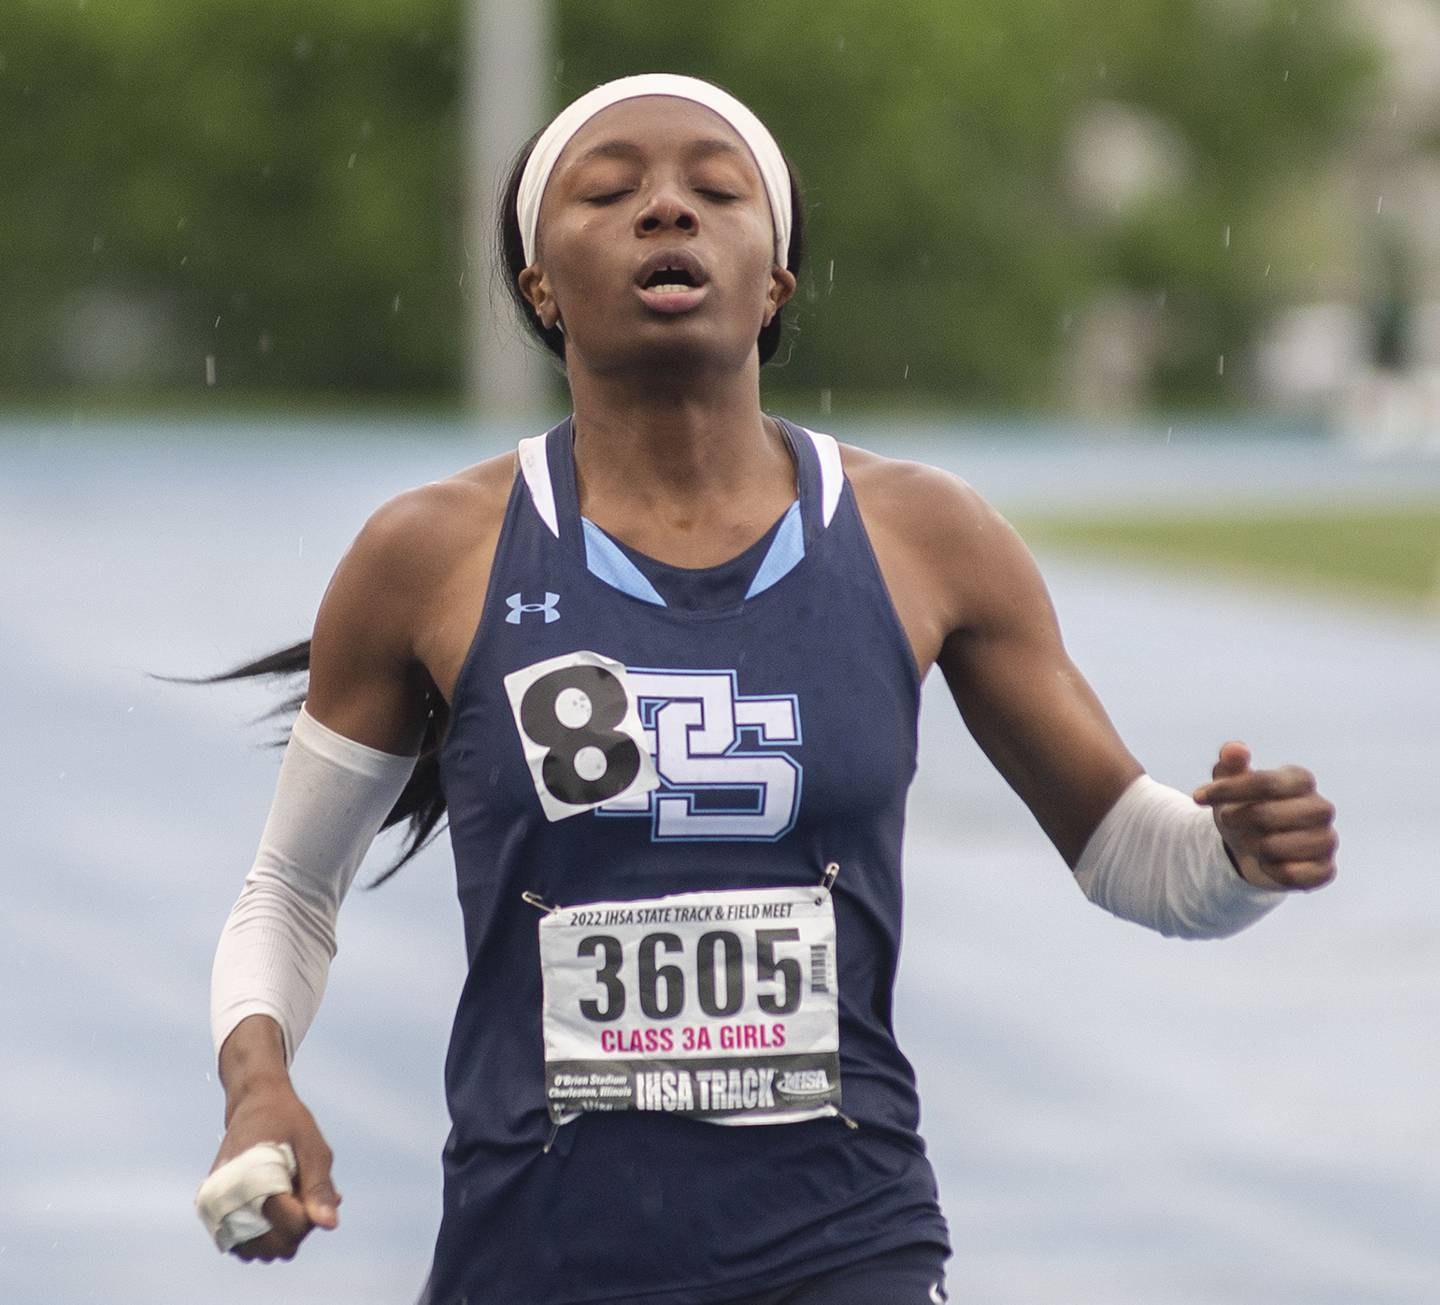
x: 650, y: 181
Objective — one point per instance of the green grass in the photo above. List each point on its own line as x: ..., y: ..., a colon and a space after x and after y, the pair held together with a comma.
x: 1387, y: 553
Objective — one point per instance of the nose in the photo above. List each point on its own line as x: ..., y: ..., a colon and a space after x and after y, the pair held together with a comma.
x: 666, y: 210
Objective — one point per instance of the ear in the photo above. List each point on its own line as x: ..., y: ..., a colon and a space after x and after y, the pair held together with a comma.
x: 536, y: 290
x: 782, y: 286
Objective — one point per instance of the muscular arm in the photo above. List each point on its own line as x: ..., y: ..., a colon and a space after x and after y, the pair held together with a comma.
x: 970, y: 596
x: 391, y: 626
x: 366, y: 681
x: 972, y: 601
x: 362, y: 686
x: 1024, y: 700
x: 367, y: 685
x: 364, y: 715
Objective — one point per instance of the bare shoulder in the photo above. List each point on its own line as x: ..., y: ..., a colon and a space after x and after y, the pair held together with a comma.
x: 375, y: 652
x: 413, y: 540
x: 926, y: 499
x: 945, y: 536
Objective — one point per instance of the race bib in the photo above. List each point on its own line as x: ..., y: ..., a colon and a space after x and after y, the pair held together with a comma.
x: 717, y: 1005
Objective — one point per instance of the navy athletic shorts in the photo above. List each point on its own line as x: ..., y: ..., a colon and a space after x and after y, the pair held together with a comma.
x: 909, y: 1275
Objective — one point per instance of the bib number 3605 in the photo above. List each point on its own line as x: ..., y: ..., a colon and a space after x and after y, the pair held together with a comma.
x: 580, y: 732
x: 722, y: 1005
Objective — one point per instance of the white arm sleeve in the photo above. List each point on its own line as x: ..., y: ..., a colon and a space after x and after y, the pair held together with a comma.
x: 1158, y: 859
x: 331, y: 798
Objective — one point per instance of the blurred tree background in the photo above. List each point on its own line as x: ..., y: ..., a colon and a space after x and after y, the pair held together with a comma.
x: 268, y: 193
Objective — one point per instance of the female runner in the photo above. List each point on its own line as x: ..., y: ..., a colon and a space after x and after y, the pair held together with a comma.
x: 662, y: 667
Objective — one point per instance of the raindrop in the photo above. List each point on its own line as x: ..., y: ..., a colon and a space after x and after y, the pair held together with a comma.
x: 825, y: 400
x: 180, y: 225
x: 216, y: 327
x: 1227, y: 235
x: 1267, y: 269
x: 1221, y: 368
x: 209, y: 369
x: 907, y: 372
x: 351, y: 164
x: 1169, y: 432
x: 302, y: 47
x: 96, y: 245
x: 1379, y: 204
x: 395, y: 304
x: 265, y: 343
x: 1285, y: 76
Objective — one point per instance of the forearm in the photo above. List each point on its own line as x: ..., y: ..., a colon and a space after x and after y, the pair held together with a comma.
x: 252, y: 1059
x: 274, y: 953
x: 272, y: 959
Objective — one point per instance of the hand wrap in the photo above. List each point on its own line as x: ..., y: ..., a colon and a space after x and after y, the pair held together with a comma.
x: 229, y: 1202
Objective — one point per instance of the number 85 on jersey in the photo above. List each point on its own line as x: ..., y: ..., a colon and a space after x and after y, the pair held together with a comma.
x: 580, y: 732
x: 587, y: 747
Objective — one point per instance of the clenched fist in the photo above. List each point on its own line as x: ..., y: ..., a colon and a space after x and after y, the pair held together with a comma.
x: 1278, y: 829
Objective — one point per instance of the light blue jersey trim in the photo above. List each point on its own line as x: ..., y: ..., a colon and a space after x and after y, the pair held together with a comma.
x: 786, y: 549
x: 604, y: 559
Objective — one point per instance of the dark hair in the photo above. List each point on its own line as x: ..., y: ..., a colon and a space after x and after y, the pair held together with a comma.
x: 511, y: 260
x: 422, y: 801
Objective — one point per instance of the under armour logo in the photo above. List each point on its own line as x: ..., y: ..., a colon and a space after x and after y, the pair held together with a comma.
x: 519, y: 608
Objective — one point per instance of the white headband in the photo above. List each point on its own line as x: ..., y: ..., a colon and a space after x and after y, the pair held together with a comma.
x: 557, y: 135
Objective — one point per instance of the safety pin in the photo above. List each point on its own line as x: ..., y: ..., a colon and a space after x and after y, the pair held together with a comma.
x: 827, y: 882
x: 539, y: 903
x: 849, y: 1123
x: 550, y: 1141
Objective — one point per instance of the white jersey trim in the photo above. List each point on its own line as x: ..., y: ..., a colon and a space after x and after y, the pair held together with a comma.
x: 535, y: 467
x: 832, y: 475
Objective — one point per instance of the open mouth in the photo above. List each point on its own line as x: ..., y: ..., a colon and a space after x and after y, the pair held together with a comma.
x: 669, y: 280
x: 672, y: 280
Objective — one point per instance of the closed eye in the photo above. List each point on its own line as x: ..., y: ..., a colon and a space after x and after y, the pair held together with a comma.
x: 608, y: 198
x: 719, y: 194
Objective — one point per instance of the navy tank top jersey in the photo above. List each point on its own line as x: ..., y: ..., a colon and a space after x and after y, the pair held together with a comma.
x: 676, y: 800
